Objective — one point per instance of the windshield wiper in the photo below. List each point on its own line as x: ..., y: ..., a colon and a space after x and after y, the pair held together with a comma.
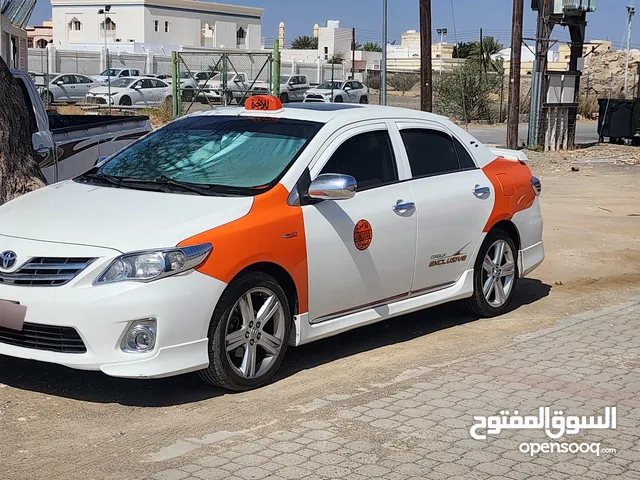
x: 184, y: 186
x: 115, y: 181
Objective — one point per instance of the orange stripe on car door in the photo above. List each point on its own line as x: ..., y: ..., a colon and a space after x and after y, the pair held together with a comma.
x: 513, y: 192
x: 272, y: 231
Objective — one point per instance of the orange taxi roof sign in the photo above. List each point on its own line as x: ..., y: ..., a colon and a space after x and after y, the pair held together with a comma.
x: 263, y: 103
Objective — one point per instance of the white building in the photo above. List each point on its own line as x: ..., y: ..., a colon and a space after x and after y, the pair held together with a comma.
x: 332, y: 40
x: 155, y: 24
x: 14, y: 15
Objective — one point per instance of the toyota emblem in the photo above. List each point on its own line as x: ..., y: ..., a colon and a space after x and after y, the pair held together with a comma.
x: 8, y: 259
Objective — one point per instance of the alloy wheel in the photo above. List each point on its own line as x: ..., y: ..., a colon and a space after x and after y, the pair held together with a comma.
x: 498, y: 273
x: 254, y: 334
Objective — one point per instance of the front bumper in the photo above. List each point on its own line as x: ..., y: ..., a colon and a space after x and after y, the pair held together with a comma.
x: 182, y: 306
x: 99, y: 99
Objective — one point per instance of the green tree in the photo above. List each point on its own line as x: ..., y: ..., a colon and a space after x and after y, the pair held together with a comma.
x: 490, y: 48
x: 336, y: 59
x: 372, y: 47
x: 304, y: 42
x: 468, y: 93
x: 465, y: 49
x: 403, y: 82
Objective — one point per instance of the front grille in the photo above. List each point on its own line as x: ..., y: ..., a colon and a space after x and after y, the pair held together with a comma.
x: 315, y: 97
x: 44, y: 337
x: 46, y: 272
x: 98, y: 100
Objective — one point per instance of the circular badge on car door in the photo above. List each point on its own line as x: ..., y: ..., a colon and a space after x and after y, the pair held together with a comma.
x: 362, y: 235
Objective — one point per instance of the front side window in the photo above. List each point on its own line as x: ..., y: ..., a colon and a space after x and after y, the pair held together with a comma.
x: 430, y: 152
x: 230, y: 153
x: 367, y: 157
x: 121, y: 82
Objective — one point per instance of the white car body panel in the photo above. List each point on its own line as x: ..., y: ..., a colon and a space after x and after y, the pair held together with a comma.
x: 346, y: 287
x: 108, y: 212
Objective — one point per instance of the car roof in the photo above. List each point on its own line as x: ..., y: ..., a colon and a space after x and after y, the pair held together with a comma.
x: 327, y: 112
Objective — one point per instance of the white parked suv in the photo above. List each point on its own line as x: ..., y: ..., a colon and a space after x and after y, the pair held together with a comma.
x: 338, y: 91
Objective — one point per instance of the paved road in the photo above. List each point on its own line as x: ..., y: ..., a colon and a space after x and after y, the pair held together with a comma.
x: 417, y: 425
x: 585, y: 133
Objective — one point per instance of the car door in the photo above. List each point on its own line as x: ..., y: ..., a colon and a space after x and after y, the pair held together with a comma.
x: 160, y: 90
x: 62, y: 89
x: 82, y: 84
x: 138, y: 93
x: 451, y: 211
x: 351, y: 91
x: 361, y: 251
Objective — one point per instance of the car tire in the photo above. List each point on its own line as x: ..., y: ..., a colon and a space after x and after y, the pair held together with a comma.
x: 125, y: 101
x: 284, y: 98
x: 494, y: 282
x: 339, y: 99
x: 364, y: 100
x: 233, y: 369
x: 187, y: 95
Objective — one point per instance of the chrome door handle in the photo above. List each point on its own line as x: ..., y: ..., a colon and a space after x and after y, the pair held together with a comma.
x: 481, y: 191
x: 401, y: 207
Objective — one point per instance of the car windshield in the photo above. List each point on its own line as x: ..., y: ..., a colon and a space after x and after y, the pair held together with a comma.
x: 284, y: 79
x: 231, y: 153
x: 330, y: 85
x: 110, y: 72
x: 122, y: 82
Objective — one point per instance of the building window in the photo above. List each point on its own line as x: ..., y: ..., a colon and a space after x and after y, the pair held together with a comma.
x: 241, y: 36
x: 111, y: 25
x: 75, y: 25
x: 42, y: 43
x: 156, y: 25
x: 166, y: 27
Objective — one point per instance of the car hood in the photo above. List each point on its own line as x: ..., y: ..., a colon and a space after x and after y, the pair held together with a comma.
x: 126, y: 220
x: 321, y: 91
x: 105, y: 90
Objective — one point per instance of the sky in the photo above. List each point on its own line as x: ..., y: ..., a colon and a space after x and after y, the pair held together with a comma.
x: 494, y: 16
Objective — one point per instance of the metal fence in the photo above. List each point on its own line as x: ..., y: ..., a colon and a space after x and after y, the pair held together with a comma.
x: 208, y: 79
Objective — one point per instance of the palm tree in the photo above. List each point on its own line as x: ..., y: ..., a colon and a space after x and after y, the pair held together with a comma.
x: 304, y: 42
x: 490, y: 48
x: 372, y: 47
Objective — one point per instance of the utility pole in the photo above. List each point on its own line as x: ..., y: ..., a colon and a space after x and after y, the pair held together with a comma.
x: 383, y: 63
x: 538, y: 85
x: 514, y: 75
x: 483, y: 66
x: 631, y: 11
x: 442, y: 32
x: 426, y: 70
x: 353, y: 53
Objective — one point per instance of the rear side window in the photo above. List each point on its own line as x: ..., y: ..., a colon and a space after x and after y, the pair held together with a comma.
x: 466, y: 162
x: 368, y: 158
x: 430, y: 152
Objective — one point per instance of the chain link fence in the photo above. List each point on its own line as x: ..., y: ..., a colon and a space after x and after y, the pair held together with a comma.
x: 205, y: 80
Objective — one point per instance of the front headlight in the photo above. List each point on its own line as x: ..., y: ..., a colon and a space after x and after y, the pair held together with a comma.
x: 152, y: 265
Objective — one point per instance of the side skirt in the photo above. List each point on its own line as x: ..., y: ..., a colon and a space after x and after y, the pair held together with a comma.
x: 306, y: 332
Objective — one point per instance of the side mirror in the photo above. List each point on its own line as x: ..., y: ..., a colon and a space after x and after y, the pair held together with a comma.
x: 138, y: 87
x: 333, y: 186
x: 59, y: 82
x: 100, y: 160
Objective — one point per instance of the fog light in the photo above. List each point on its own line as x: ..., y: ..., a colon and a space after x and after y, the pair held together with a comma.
x: 140, y: 337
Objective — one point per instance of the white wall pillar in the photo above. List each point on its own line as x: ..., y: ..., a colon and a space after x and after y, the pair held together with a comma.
x: 51, y: 58
x: 149, y: 64
x: 103, y: 59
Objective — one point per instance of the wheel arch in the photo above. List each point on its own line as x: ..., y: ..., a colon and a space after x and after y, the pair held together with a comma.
x: 511, y: 229
x: 280, y: 275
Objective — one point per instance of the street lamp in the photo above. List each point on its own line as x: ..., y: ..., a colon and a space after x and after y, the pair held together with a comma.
x: 104, y: 11
x: 383, y: 63
x: 443, y: 33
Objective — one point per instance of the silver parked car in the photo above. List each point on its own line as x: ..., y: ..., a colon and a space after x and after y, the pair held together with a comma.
x: 339, y: 91
x: 67, y: 87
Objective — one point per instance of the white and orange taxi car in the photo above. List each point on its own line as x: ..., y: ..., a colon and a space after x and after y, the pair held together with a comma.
x: 217, y: 241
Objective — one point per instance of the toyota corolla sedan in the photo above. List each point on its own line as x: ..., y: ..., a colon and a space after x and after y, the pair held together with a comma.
x: 218, y: 241
x: 144, y: 91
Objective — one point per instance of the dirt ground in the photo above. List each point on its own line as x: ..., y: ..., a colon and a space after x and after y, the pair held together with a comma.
x: 60, y: 423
